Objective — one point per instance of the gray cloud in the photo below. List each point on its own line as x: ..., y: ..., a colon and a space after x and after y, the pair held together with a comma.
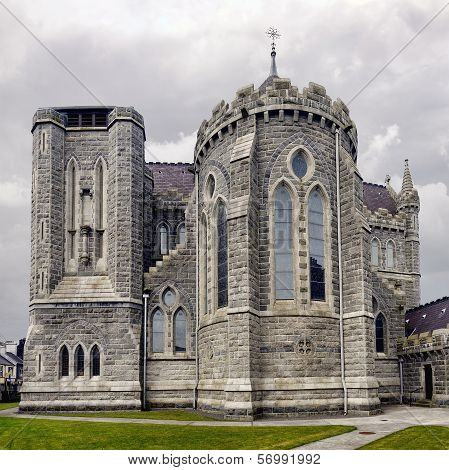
x: 175, y: 60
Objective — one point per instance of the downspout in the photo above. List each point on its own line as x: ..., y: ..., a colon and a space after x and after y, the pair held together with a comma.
x: 340, y: 272
x: 401, y: 379
x: 197, y: 301
x: 145, y: 321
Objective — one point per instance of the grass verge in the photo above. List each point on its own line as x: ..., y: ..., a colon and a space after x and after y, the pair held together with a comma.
x: 178, y: 415
x: 29, y: 433
x: 413, y: 438
x: 7, y: 405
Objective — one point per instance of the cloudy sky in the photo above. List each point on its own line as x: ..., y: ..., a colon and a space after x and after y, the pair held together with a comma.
x: 173, y: 61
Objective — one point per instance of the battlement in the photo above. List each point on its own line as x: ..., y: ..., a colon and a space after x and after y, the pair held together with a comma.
x: 277, y: 94
x: 86, y: 117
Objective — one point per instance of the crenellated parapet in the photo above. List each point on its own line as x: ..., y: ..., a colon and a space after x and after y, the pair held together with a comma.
x: 276, y: 96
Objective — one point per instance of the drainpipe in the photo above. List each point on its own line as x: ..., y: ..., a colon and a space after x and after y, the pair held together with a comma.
x: 197, y: 301
x: 145, y: 321
x: 340, y: 272
x: 401, y: 379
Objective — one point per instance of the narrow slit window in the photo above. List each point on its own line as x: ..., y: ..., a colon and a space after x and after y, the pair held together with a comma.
x: 283, y: 244
x: 182, y: 234
x: 222, y: 255
x: 380, y: 333
x: 316, y: 246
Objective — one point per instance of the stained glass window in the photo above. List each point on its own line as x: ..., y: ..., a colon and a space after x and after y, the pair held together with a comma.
x: 299, y: 164
x: 211, y: 186
x: 95, y: 361
x: 283, y: 244
x: 169, y: 297
x: 316, y: 246
x: 222, y: 255
x: 64, y: 361
x: 79, y: 361
x: 180, y: 327
x: 158, y: 332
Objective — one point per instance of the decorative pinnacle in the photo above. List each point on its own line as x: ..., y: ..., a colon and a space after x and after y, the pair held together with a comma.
x: 407, y: 183
x: 273, y: 33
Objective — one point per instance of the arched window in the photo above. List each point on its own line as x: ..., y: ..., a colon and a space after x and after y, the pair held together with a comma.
x: 163, y: 240
x: 180, y: 331
x: 157, y: 328
x: 375, y: 252
x: 182, y: 234
x: 95, y: 361
x: 380, y: 333
x: 390, y: 254
x: 222, y: 255
x: 283, y: 244
x: 204, y: 264
x: 79, y: 361
x: 64, y: 361
x: 316, y: 246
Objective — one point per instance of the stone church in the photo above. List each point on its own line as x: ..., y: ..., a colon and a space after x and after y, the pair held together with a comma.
x: 266, y: 278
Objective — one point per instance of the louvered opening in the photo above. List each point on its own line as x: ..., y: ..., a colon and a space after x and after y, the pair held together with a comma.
x: 73, y: 120
x: 86, y: 120
x: 100, y: 119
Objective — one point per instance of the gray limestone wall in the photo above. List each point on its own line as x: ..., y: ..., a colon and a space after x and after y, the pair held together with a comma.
x: 115, y: 329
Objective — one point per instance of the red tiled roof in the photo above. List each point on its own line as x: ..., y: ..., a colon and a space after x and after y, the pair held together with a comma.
x: 172, y: 176
x: 376, y: 196
x: 428, y: 317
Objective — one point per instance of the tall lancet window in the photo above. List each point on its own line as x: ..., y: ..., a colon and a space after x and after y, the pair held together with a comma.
x: 316, y: 246
x: 390, y: 255
x: 72, y: 204
x: 158, y: 328
x: 375, y: 252
x: 180, y: 330
x: 204, y: 265
x: 163, y: 240
x: 64, y: 361
x: 79, y: 361
x: 380, y: 333
x: 222, y: 255
x: 283, y: 244
x: 100, y: 208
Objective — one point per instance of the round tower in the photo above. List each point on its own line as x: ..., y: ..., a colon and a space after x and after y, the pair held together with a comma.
x: 269, y: 309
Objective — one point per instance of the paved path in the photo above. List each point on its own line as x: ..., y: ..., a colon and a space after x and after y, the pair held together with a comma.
x: 393, y: 418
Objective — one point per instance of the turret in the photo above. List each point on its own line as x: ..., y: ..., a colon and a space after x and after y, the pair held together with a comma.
x: 408, y: 204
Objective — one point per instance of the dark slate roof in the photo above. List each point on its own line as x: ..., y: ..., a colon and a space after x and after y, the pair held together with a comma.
x: 428, y: 317
x: 13, y: 358
x: 376, y: 196
x: 4, y: 361
x: 172, y: 176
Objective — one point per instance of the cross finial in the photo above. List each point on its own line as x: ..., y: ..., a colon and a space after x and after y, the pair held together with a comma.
x: 273, y: 33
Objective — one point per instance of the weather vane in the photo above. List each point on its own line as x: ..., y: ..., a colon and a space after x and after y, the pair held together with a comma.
x: 273, y: 33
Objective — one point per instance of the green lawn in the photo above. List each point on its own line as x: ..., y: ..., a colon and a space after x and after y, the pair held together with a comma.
x: 414, y: 438
x: 5, y: 406
x: 179, y: 415
x: 21, y: 433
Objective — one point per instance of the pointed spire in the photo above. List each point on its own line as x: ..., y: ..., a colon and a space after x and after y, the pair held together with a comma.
x: 273, y: 68
x: 407, y: 182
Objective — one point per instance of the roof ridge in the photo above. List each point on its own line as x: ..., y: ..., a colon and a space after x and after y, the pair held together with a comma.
x: 375, y: 184
x: 169, y: 163
x: 432, y: 302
